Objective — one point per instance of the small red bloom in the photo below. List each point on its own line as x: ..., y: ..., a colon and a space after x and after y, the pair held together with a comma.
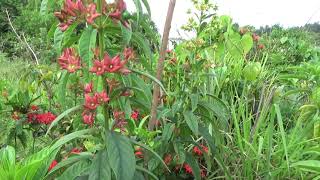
x: 34, y: 108
x: 120, y: 8
x: 115, y: 64
x: 46, y: 118
x: 197, y: 151
x: 139, y: 153
x: 52, y: 165
x: 204, y: 148
x: 76, y: 151
x: 88, y: 118
x: 69, y: 60
x: 167, y: 159
x: 261, y: 46
x: 91, y: 13
x: 102, y: 97
x: 187, y: 168
x: 88, y: 88
x: 91, y: 102
x: 126, y: 93
x: 98, y: 68
x: 135, y: 115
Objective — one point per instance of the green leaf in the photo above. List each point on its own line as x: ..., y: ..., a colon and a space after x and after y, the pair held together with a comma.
x: 62, y: 88
x: 151, y: 77
x: 137, y: 3
x: 146, y: 4
x: 8, y: 160
x: 194, y: 101
x: 149, y: 149
x: 194, y: 166
x: 308, y: 165
x: 126, y: 34
x: 204, y: 132
x: 167, y: 132
x: 283, y: 40
x: 57, y: 40
x: 100, y: 168
x: 121, y: 156
x: 247, y: 43
x: 69, y: 161
x: 87, y: 43
x: 192, y: 121
x: 77, y: 134
x: 43, y: 7
x: 146, y: 171
x: 74, y: 171
x: 61, y: 116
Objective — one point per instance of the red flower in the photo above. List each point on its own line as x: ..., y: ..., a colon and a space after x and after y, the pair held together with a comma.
x: 46, y: 118
x: 167, y: 159
x: 126, y: 93
x: 91, y: 102
x: 197, y: 150
x: 139, y: 153
x: 135, y: 115
x: 118, y: 115
x: 91, y: 13
x: 98, y: 68
x: 76, y: 151
x: 52, y: 165
x: 261, y: 46
x: 88, y: 88
x: 187, y: 168
x: 34, y: 108
x: 115, y: 64
x: 102, y: 97
x: 69, y: 60
x: 88, y: 118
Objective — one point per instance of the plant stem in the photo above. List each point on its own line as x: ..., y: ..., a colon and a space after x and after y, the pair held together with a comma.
x: 101, y: 53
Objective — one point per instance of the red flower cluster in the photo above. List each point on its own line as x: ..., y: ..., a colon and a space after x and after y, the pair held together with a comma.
x: 52, y: 165
x: 76, y: 10
x: 76, y: 151
x: 120, y: 122
x: 187, y: 168
x: 69, y: 60
x: 198, y: 151
x: 255, y: 37
x: 92, y: 102
x: 44, y: 118
x: 112, y: 65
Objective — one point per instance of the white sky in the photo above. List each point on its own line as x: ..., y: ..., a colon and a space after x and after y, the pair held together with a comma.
x: 245, y: 12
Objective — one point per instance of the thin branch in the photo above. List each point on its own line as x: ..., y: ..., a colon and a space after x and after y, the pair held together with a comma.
x: 164, y: 45
x: 22, y: 41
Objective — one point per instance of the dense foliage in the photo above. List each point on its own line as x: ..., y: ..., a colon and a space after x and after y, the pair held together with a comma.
x: 76, y: 83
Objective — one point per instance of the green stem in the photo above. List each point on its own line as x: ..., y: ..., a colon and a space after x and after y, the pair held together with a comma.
x: 101, y: 53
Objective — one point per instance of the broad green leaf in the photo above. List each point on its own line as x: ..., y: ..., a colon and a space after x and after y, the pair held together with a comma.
x: 120, y: 156
x: 204, y: 132
x: 192, y: 121
x: 247, y: 43
x: 87, y: 43
x: 69, y: 161
x: 74, y: 171
x: 100, y: 168
x: 194, y: 101
x: 64, y: 139
x: 167, y: 132
x: 8, y: 160
x: 61, y: 116
x: 43, y: 7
